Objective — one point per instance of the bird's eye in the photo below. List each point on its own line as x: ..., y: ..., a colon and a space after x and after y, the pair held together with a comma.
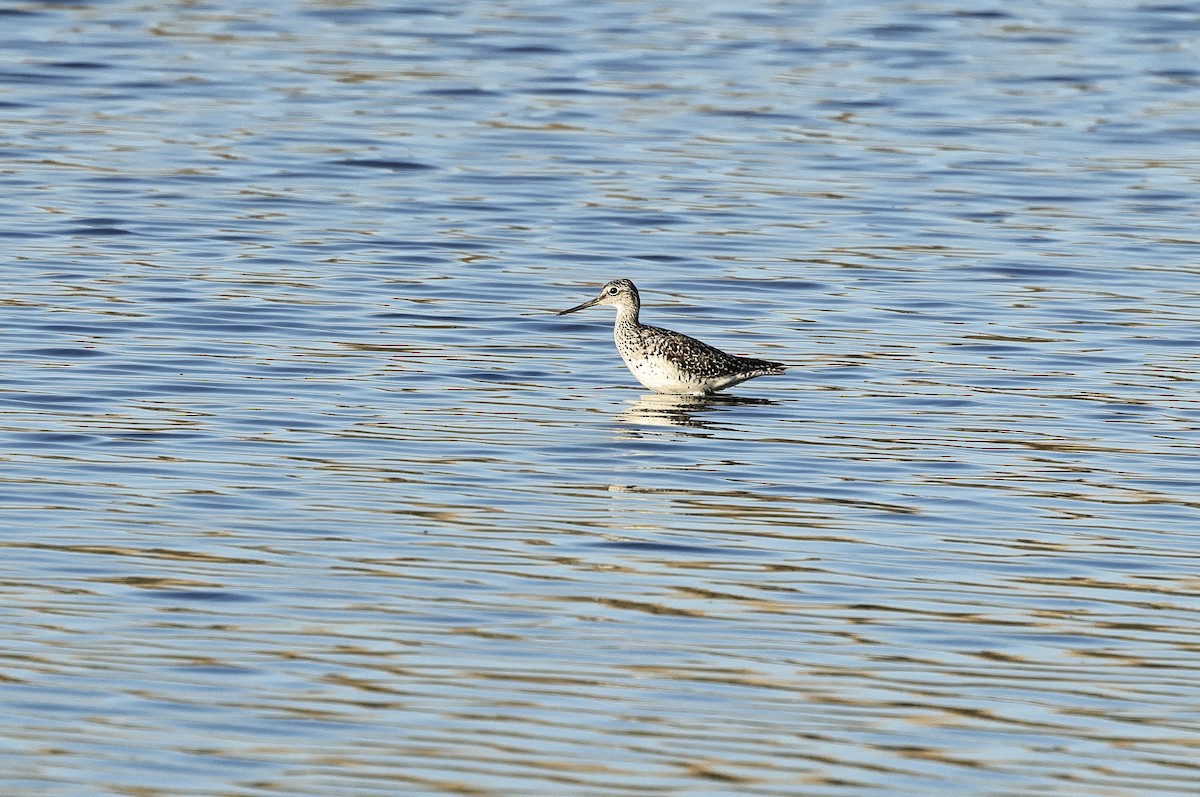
x: 613, y: 291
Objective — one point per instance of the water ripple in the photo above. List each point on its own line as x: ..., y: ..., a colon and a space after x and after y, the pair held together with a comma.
x: 307, y: 490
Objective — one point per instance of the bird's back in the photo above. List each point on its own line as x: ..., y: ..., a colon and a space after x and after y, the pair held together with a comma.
x: 671, y: 362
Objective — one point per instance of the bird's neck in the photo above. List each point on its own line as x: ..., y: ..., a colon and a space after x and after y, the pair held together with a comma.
x: 627, y: 315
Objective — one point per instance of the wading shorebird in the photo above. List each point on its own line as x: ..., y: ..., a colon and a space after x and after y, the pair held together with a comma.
x: 671, y: 362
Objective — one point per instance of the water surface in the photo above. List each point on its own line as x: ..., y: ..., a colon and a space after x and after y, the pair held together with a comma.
x: 306, y: 491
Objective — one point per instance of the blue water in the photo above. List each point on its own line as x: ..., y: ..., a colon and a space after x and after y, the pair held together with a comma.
x: 307, y: 491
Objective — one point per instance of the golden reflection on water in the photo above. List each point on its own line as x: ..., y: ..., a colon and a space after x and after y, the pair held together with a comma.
x: 301, y: 497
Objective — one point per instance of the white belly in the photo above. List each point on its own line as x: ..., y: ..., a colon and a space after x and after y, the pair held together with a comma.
x: 662, y: 376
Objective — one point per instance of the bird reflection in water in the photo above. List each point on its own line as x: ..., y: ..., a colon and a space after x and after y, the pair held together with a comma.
x: 666, y: 409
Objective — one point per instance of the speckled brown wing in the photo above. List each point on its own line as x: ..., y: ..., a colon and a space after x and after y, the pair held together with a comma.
x: 701, y: 359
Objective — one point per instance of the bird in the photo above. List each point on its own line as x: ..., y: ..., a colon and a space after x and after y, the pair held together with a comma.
x: 670, y: 362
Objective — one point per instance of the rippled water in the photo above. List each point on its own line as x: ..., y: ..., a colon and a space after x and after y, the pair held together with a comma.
x: 306, y: 491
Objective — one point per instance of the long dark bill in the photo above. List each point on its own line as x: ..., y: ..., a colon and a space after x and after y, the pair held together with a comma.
x: 583, y: 306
